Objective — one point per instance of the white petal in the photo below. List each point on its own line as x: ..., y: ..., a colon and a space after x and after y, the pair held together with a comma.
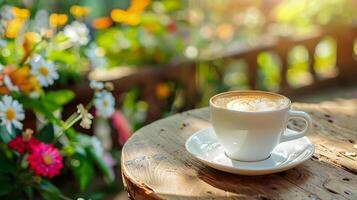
x: 20, y: 116
x: 8, y: 127
x: 17, y: 124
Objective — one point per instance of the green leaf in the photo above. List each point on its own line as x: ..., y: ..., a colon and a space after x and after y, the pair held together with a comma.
x: 6, y: 165
x: 98, y: 159
x: 63, y: 56
x: 39, y: 106
x: 5, y: 184
x: 59, y: 98
x: 29, y: 192
x: 47, y: 134
x: 24, y: 162
x: 5, y: 136
x: 50, y: 191
x: 84, y: 171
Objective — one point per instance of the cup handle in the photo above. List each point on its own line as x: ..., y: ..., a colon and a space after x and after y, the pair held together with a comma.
x: 291, y: 134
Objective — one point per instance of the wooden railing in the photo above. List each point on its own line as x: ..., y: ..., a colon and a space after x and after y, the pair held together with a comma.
x: 147, y: 78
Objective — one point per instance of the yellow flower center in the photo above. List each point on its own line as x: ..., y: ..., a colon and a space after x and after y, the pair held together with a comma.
x: 47, y: 159
x: 43, y: 70
x: 10, y: 114
x: 105, y: 103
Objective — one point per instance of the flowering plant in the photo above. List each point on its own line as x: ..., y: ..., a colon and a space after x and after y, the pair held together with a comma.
x: 34, y: 55
x: 157, y: 40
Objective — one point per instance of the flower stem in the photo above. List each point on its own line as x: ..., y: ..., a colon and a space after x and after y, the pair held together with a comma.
x: 74, y: 118
x: 28, y: 54
x: 68, y: 125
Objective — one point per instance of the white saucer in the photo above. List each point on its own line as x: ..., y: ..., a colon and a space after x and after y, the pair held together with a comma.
x: 204, y: 146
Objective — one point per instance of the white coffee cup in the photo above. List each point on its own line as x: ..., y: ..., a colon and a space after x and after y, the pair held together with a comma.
x: 252, y: 135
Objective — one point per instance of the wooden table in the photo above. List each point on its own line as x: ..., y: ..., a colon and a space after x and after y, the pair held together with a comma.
x: 155, y: 164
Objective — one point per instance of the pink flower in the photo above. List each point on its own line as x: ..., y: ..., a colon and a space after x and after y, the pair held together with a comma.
x: 122, y: 125
x: 110, y: 162
x: 20, y: 145
x: 45, y: 160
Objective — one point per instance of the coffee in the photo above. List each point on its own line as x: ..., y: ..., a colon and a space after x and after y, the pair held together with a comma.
x: 249, y: 133
x: 250, y: 101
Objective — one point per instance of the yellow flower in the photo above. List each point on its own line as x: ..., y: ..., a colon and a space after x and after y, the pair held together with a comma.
x: 162, y: 90
x: 32, y: 37
x: 122, y: 16
x: 20, y: 13
x: 132, y: 15
x: 79, y: 11
x: 118, y: 15
x: 138, y: 6
x: 3, y: 87
x: 13, y: 27
x: 102, y: 23
x: 23, y: 79
x: 57, y: 19
x: 225, y: 31
x: 133, y: 19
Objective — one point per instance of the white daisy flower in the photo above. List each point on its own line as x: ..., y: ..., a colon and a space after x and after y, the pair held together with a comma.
x: 96, y: 85
x: 11, y: 113
x: 97, y: 146
x: 8, y: 83
x: 95, y: 55
x: 77, y: 32
x: 6, y: 15
x: 45, y: 72
x: 104, y: 103
x: 3, y: 43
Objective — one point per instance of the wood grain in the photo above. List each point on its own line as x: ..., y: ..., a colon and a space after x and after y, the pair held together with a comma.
x: 155, y: 164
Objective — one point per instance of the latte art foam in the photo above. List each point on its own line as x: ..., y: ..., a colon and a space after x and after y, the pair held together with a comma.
x: 251, y: 101
x: 251, y: 104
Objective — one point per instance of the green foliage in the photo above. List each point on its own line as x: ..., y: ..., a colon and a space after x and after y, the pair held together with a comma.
x: 6, y: 165
x: 5, y: 136
x: 57, y: 99
x: 134, y: 108
x: 50, y: 192
x: 83, y: 169
x: 47, y: 103
x: 304, y: 13
x: 46, y: 134
x: 325, y: 57
x: 98, y: 160
x: 84, y: 155
x: 63, y: 56
x: 150, y: 43
x: 269, y: 71
x: 235, y: 74
x: 298, y: 69
x: 6, y: 184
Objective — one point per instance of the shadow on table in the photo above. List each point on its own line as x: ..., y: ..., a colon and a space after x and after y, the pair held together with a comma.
x: 272, y: 186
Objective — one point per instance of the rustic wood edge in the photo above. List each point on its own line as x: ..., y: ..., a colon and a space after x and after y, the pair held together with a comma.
x: 138, y: 191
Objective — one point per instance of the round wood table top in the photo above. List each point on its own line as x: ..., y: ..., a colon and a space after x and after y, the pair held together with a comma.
x: 155, y: 164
